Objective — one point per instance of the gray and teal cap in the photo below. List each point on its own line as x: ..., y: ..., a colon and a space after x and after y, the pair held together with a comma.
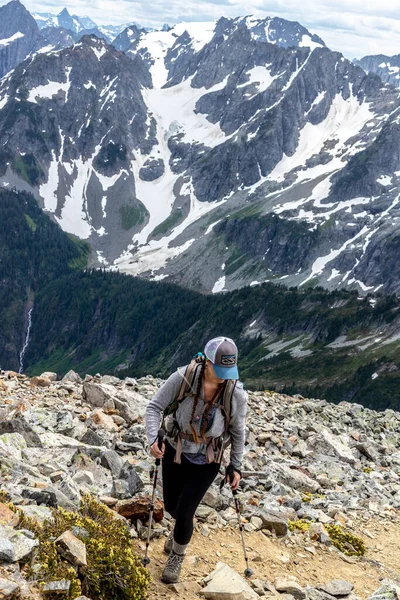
x: 223, y: 353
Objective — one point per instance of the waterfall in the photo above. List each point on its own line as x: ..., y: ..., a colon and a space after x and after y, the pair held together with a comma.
x: 28, y: 331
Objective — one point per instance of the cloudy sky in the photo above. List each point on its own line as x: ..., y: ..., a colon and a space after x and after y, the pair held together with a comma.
x: 354, y: 27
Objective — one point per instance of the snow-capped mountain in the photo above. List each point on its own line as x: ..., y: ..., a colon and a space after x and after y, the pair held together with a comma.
x: 65, y: 20
x: 387, y: 67
x: 19, y: 35
x: 214, y: 154
x: 79, y: 25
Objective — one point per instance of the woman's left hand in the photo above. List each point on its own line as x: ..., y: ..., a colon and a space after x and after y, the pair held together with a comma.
x: 234, y: 481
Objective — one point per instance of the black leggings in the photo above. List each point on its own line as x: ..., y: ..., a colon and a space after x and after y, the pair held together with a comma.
x: 184, y: 486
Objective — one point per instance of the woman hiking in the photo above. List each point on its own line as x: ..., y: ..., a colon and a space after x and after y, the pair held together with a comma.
x: 195, y: 400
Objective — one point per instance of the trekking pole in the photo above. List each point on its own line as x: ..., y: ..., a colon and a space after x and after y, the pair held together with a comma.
x: 248, y: 572
x: 154, y: 475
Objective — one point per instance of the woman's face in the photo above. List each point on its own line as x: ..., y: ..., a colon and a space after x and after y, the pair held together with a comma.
x: 210, y: 371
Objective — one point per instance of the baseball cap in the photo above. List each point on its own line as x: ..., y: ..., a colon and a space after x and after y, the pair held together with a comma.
x: 223, y: 353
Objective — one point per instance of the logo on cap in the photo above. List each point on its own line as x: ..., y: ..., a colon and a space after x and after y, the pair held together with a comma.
x: 228, y: 360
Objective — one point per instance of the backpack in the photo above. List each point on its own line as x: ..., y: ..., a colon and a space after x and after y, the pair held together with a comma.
x: 186, y: 389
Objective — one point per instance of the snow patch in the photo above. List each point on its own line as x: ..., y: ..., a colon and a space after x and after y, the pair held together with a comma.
x: 51, y: 88
x: 99, y: 53
x: 261, y: 76
x: 384, y: 180
x: 307, y: 42
x: 345, y: 119
x: 219, y: 285
x: 7, y: 41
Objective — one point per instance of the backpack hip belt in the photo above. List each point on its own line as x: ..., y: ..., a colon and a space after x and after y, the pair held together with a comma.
x: 211, y: 443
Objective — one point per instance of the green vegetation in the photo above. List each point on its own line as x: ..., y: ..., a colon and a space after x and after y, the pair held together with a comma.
x: 346, y: 542
x: 31, y: 223
x: 235, y: 261
x: 299, y: 525
x: 113, y: 570
x: 131, y: 216
x: 27, y: 167
x: 33, y: 251
x: 92, y: 320
x: 174, y: 218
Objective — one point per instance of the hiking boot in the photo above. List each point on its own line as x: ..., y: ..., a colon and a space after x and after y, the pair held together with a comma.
x: 172, y: 568
x: 168, y: 543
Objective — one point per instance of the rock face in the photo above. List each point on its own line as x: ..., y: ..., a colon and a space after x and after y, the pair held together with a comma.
x: 387, y: 67
x: 19, y: 36
x: 216, y: 125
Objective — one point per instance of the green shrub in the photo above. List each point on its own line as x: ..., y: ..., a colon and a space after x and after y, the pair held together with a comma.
x: 299, y: 525
x: 113, y: 570
x: 346, y: 542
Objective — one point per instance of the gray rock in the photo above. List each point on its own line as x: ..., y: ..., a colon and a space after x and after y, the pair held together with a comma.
x: 225, y: 584
x: 23, y: 428
x: 72, y: 377
x: 112, y: 461
x: 273, y: 522
x: 98, y: 395
x: 60, y: 586
x: 7, y: 550
x: 8, y: 589
x: 289, y: 586
x: 40, y: 513
x: 337, y: 587
x: 23, y: 545
x: 327, y: 443
x: 389, y: 590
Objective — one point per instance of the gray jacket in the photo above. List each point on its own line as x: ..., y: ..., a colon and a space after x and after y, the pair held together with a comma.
x: 168, y: 392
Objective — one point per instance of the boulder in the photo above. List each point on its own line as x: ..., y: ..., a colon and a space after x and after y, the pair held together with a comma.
x: 24, y: 542
x: 128, y: 484
x: 112, y: 461
x: 49, y: 375
x: 57, y: 587
x: 296, y: 479
x: 72, y: 549
x: 284, y: 585
x: 8, y: 589
x: 337, y: 587
x: 225, y: 584
x: 71, y: 377
x: 99, y: 395
x: 7, y: 550
x: 13, y: 444
x: 40, y: 382
x: 329, y: 444
x: 389, y: 590
x: 20, y: 426
x: 139, y: 508
x: 38, y: 513
x: 103, y: 421
x: 273, y: 522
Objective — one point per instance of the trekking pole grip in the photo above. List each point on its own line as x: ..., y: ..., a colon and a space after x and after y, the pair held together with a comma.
x: 160, y: 439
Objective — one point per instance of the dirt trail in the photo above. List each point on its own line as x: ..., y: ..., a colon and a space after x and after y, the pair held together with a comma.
x: 271, y: 557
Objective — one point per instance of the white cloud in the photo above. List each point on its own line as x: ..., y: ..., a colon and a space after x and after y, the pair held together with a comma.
x: 354, y: 27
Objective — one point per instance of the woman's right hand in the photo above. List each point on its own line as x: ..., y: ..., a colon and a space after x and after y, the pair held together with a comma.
x: 155, y: 450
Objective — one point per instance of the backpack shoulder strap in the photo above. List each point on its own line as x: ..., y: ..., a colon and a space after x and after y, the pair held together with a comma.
x: 227, y: 401
x: 187, y: 384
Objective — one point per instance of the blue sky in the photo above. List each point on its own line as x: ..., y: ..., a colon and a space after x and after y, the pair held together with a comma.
x: 354, y: 27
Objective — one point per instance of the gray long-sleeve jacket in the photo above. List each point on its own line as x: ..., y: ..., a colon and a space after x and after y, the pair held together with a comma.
x: 168, y: 392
